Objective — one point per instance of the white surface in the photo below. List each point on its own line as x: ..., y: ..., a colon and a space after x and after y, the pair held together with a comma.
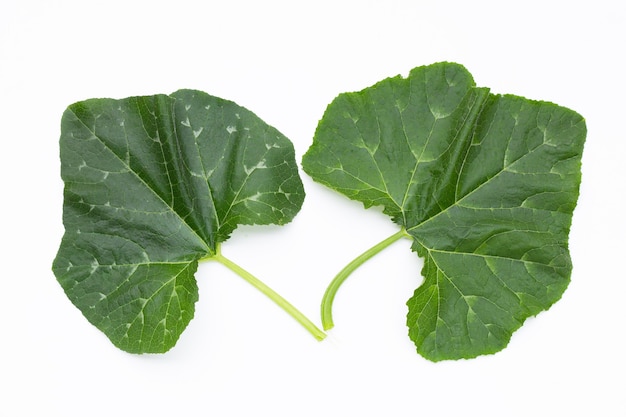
x: 286, y: 61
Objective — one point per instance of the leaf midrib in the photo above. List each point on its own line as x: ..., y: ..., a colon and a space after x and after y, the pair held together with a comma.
x: 469, y: 194
x: 125, y: 164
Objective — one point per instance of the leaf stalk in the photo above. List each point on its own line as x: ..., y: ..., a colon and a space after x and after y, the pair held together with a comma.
x: 273, y: 295
x: 333, y: 287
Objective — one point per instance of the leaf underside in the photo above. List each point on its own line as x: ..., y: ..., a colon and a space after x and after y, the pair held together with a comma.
x: 484, y: 184
x: 152, y: 185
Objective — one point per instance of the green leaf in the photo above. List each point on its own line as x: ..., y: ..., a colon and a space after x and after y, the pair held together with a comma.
x: 153, y: 185
x: 483, y: 184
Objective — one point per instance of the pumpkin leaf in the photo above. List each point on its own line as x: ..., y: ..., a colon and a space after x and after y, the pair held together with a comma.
x: 153, y: 185
x: 483, y: 184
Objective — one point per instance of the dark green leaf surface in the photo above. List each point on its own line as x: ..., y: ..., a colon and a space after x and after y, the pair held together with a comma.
x: 484, y: 184
x: 152, y: 185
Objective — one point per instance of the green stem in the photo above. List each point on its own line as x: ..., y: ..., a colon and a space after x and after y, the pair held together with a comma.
x: 329, y: 295
x: 273, y: 295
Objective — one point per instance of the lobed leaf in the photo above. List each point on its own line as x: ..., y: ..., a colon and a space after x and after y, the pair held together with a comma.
x: 484, y: 184
x: 152, y: 185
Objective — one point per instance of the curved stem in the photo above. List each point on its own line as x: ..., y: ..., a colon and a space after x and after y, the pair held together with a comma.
x: 273, y: 295
x: 329, y: 295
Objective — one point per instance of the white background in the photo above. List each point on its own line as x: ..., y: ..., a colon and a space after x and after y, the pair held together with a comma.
x: 285, y: 61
